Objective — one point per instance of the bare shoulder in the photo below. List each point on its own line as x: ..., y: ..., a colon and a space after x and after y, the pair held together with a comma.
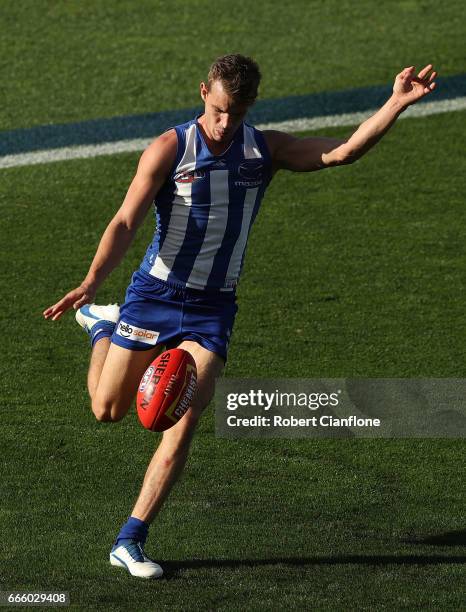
x: 275, y: 140
x: 160, y: 154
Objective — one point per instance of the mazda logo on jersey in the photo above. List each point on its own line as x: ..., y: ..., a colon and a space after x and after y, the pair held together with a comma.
x: 251, y: 170
x: 189, y: 177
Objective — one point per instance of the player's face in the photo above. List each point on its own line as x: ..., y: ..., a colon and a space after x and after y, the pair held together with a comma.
x: 222, y: 115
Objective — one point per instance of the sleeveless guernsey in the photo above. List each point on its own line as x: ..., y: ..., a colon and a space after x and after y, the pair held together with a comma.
x: 205, y: 209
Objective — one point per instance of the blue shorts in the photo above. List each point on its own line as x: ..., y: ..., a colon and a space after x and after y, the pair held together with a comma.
x: 156, y: 312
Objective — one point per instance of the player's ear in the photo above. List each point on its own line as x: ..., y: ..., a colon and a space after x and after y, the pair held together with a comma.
x: 204, y: 91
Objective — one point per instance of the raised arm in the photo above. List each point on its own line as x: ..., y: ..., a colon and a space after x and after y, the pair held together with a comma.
x: 154, y: 166
x: 309, y: 154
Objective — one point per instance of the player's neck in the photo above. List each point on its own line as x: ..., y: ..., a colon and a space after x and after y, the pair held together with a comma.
x: 215, y: 147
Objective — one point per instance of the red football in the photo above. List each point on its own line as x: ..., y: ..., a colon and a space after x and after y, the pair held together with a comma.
x: 166, y: 389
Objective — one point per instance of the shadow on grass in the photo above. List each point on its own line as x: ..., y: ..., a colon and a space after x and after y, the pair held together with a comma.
x: 173, y: 568
x: 451, y: 538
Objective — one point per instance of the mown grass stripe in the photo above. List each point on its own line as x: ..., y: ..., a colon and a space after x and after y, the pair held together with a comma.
x: 116, y: 129
x: 293, y: 125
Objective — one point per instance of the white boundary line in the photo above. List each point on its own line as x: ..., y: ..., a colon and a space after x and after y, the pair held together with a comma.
x: 294, y: 125
x: 316, y: 123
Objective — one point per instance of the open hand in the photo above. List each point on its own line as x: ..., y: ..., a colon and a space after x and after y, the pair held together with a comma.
x: 409, y: 88
x: 84, y: 294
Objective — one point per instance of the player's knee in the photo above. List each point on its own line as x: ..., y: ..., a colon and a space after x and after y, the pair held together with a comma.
x: 101, y: 412
x: 106, y: 411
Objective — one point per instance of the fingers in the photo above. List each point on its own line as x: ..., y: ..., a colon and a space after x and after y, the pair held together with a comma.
x: 51, y: 313
x: 424, y: 79
x: 425, y: 71
x: 408, y: 72
x: 55, y: 311
x: 431, y: 84
x: 430, y: 87
x: 81, y: 302
x: 58, y: 314
x: 404, y: 74
x: 427, y: 80
x: 48, y: 312
x: 76, y: 298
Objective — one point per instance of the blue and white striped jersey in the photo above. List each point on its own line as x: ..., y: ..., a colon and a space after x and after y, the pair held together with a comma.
x: 205, y: 209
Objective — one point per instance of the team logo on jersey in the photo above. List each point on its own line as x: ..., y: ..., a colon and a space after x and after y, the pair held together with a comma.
x: 131, y: 332
x: 251, y: 170
x: 189, y: 177
x: 251, y: 173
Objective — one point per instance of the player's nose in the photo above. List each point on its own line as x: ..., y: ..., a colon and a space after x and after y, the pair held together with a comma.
x: 226, y: 121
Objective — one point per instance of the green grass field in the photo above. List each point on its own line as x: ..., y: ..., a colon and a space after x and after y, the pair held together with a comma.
x: 356, y: 271
x: 69, y: 61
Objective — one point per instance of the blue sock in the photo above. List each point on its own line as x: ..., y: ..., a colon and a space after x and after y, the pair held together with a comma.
x: 133, y: 529
x: 102, y: 329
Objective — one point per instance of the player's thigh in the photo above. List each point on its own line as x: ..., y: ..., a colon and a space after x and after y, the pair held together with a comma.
x: 209, y: 367
x: 118, y: 383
